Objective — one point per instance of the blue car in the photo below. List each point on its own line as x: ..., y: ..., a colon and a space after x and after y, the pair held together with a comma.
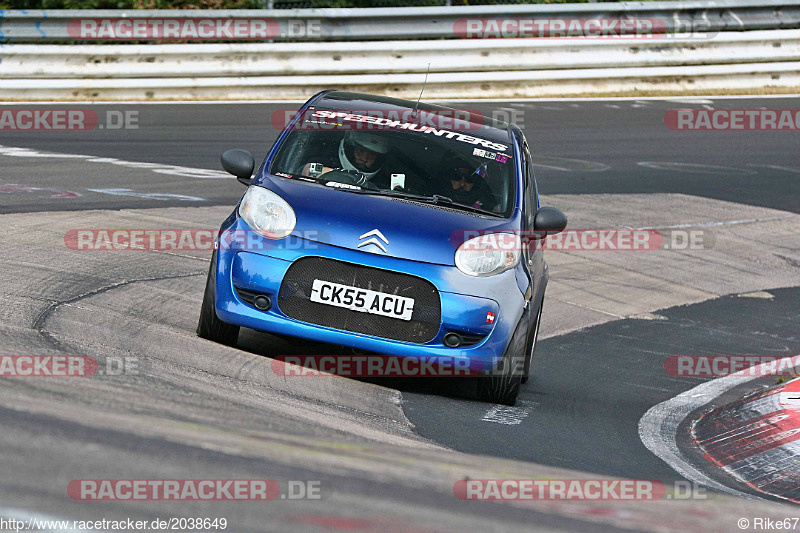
x: 390, y: 227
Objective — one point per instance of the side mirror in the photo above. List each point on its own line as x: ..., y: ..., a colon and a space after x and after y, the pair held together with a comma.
x: 549, y: 220
x: 240, y: 163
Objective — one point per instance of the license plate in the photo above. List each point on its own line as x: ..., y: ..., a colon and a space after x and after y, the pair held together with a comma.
x: 362, y: 300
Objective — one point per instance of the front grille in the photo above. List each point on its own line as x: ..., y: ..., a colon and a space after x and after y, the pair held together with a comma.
x: 294, y: 299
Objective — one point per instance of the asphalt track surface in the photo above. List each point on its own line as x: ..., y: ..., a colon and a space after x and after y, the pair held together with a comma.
x: 581, y: 147
x: 197, y: 410
x: 591, y: 387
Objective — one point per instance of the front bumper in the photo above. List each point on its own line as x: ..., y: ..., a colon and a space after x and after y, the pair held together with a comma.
x: 466, y: 302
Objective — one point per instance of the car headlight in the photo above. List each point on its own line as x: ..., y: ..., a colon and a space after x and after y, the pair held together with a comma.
x: 267, y: 213
x: 488, y: 254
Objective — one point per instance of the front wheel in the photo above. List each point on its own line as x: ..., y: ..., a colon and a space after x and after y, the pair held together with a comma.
x: 210, y: 326
x: 526, y: 373
x: 503, y: 385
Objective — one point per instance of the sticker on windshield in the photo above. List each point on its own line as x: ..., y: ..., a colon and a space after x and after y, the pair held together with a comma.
x: 408, y: 126
x: 500, y: 158
x: 342, y: 185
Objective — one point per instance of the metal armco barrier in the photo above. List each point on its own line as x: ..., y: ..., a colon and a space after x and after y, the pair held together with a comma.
x: 421, y: 22
x: 394, y: 57
x: 687, y: 61
x: 503, y: 84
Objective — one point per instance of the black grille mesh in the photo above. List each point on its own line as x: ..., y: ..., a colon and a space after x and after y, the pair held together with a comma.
x: 294, y: 299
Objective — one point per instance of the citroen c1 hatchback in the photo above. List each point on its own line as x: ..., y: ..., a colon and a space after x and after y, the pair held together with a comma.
x: 393, y: 228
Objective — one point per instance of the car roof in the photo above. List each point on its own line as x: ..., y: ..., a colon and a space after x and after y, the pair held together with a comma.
x: 485, y: 127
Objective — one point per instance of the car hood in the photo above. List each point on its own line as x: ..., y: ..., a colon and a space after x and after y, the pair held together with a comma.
x: 381, y: 225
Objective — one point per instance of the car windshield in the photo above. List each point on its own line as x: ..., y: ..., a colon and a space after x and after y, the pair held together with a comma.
x: 448, y: 167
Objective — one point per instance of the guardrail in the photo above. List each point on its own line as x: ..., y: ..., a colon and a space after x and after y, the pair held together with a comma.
x: 387, y: 51
x: 459, y: 69
x: 420, y: 22
x: 396, y: 57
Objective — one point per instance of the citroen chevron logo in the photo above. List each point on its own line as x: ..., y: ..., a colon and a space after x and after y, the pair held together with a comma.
x: 374, y: 233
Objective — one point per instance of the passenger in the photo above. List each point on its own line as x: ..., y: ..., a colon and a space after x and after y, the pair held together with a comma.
x: 466, y: 183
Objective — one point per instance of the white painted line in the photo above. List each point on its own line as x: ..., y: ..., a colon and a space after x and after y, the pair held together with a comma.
x: 581, y: 165
x: 757, y: 294
x: 777, y: 167
x: 159, y: 168
x: 695, y: 101
x: 586, y: 306
x: 12, y: 151
x: 509, y: 416
x: 658, y: 428
x: 149, y: 195
x: 722, y: 223
x: 693, y: 168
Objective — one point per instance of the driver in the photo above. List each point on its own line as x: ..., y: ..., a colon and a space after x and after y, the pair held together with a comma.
x: 362, y: 154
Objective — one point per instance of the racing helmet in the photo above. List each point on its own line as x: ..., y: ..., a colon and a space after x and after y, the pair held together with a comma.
x: 368, y: 141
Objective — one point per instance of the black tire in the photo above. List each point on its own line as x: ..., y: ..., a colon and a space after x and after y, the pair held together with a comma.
x: 502, y: 386
x: 526, y: 372
x: 210, y: 326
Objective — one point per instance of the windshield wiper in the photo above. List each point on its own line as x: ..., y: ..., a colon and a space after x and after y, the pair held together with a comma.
x: 444, y: 200
x: 436, y: 199
x: 386, y: 192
